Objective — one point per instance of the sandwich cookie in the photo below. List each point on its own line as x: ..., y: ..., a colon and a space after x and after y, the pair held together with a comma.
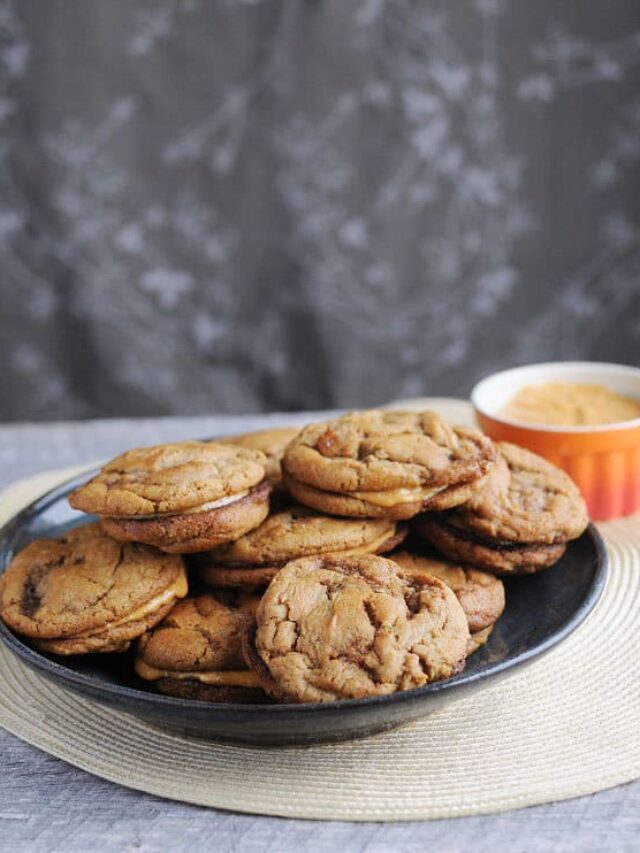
x: 335, y: 627
x: 196, y: 652
x: 520, y: 520
x: 181, y: 498
x: 385, y: 464
x: 256, y: 558
x: 86, y: 592
x: 481, y: 594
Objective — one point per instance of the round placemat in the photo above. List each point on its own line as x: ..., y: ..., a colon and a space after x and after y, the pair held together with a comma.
x: 564, y: 727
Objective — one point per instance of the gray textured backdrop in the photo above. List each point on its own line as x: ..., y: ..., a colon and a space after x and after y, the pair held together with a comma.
x: 236, y: 206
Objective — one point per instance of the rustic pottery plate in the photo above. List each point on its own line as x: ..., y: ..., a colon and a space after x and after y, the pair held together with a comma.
x: 542, y: 610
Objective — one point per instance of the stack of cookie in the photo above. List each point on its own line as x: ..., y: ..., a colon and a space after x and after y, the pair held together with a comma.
x: 231, y: 595
x: 519, y: 519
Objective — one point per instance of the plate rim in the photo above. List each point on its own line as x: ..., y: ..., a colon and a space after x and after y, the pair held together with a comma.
x: 87, y: 684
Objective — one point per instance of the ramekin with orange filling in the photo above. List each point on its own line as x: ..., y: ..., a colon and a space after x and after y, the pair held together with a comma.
x: 582, y: 416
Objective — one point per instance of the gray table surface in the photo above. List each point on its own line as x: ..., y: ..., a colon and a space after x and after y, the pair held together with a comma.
x: 46, y: 805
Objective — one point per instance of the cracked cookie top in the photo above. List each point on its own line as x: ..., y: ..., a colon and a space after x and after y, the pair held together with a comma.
x: 379, y: 450
x: 299, y: 532
x: 271, y: 442
x: 337, y: 628
x: 536, y: 503
x: 201, y: 634
x: 83, y: 581
x: 481, y: 594
x: 170, y: 478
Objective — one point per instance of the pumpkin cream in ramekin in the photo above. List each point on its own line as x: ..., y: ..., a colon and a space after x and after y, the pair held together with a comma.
x: 582, y: 416
x: 570, y: 404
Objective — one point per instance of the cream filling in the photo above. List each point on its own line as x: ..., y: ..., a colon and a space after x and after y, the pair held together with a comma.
x: 177, y: 590
x: 228, y: 678
x: 393, y: 497
x: 229, y: 499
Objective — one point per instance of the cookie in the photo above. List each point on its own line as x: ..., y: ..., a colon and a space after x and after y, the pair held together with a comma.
x: 507, y: 558
x: 481, y: 594
x: 181, y: 498
x: 519, y: 521
x: 335, y: 627
x: 196, y: 651
x: 255, y: 558
x: 541, y: 503
x: 384, y: 464
x: 271, y: 442
x: 85, y: 592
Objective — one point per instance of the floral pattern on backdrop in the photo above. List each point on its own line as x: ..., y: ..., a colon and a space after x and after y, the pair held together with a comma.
x: 239, y: 206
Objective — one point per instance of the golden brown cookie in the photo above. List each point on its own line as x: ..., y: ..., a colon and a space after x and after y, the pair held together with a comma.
x: 481, y: 594
x: 182, y: 498
x: 541, y: 503
x: 271, y: 442
x: 190, y: 533
x: 518, y: 521
x: 255, y: 558
x: 85, y: 592
x: 196, y: 651
x: 348, y: 627
x: 507, y: 558
x: 382, y: 463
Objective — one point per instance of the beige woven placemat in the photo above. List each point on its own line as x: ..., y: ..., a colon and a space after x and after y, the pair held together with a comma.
x: 566, y: 726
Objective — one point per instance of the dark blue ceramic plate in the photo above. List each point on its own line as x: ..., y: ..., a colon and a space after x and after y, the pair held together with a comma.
x: 542, y: 610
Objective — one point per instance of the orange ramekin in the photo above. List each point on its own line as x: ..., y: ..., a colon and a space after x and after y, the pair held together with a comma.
x: 603, y: 460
